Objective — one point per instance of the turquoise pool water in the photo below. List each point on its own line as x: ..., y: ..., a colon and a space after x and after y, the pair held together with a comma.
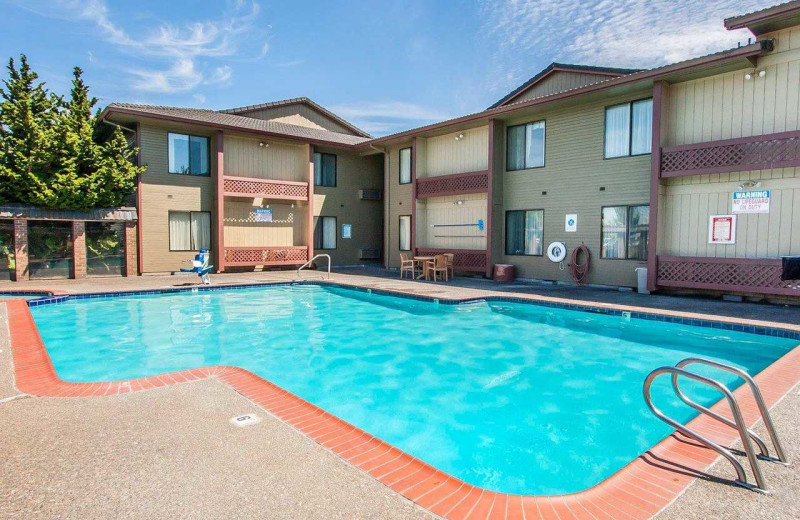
x: 509, y: 396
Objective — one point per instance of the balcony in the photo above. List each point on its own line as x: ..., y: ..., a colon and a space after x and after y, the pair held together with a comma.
x: 732, y: 155
x: 265, y: 189
x: 757, y: 276
x: 268, y: 256
x: 464, y: 260
x: 456, y: 184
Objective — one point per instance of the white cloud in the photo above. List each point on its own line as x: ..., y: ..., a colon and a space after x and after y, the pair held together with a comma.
x: 177, y: 58
x: 631, y: 33
x: 200, y: 98
x: 389, y: 109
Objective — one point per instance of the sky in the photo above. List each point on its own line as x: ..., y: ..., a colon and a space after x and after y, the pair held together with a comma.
x: 386, y: 66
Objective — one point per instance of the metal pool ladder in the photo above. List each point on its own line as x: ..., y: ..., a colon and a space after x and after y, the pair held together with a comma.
x: 745, y: 434
x: 312, y: 261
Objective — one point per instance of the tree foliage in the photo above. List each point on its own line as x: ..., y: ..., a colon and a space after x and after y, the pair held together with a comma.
x: 51, y: 152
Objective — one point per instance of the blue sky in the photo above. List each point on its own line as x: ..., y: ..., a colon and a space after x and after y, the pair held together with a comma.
x: 386, y: 66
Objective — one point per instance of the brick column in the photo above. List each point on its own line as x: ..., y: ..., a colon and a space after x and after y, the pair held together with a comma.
x: 131, y: 249
x: 21, y: 249
x: 78, y: 249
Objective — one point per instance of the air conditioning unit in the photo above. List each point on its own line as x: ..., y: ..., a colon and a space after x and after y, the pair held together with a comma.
x: 370, y: 194
x: 369, y: 254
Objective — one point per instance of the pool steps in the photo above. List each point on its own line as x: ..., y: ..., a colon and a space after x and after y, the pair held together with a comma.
x: 746, y: 435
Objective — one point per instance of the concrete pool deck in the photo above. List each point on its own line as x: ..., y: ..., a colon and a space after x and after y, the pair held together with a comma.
x: 437, y: 291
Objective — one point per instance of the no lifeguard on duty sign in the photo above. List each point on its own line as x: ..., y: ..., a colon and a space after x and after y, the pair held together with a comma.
x: 756, y: 201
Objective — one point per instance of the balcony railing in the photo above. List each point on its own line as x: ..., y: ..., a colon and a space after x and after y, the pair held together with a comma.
x: 732, y: 155
x: 464, y: 260
x: 251, y: 256
x: 756, y: 276
x: 456, y: 184
x: 263, y: 188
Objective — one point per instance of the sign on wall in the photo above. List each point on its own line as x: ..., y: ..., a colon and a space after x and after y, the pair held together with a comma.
x: 347, y: 231
x: 722, y: 229
x: 755, y: 201
x: 263, y: 215
x: 571, y: 223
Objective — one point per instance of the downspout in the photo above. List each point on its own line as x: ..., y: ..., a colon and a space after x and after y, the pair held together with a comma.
x: 387, y: 211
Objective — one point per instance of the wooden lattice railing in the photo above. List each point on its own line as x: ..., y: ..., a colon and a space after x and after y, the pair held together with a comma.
x: 758, y: 276
x: 250, y: 256
x: 464, y: 260
x: 733, y: 155
x: 457, y: 184
x: 263, y: 188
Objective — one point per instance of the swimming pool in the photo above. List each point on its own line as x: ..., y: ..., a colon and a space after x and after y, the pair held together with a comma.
x: 508, y: 396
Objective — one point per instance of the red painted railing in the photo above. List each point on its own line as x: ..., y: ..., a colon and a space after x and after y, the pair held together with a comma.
x: 732, y: 155
x: 756, y: 276
x: 250, y: 256
x: 264, y: 188
x: 464, y: 260
x: 456, y: 184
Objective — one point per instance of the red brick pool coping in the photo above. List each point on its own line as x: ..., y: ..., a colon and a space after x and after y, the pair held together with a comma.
x: 638, y: 491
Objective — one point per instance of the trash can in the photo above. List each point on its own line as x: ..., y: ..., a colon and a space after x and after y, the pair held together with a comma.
x: 641, y: 280
x: 504, y: 273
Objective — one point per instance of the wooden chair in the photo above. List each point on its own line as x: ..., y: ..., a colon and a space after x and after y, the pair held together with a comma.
x: 437, y: 265
x: 450, y: 257
x: 407, y: 264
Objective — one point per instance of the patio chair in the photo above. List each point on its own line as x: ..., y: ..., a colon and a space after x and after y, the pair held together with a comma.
x: 407, y: 264
x: 450, y: 257
x: 438, y: 265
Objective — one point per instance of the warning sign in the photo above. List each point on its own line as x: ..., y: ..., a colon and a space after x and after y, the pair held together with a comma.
x: 756, y: 201
x: 722, y: 229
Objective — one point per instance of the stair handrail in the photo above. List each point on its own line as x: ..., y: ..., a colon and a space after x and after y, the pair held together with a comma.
x: 312, y: 261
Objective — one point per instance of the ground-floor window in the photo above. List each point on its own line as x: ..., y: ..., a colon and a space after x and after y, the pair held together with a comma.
x: 105, y: 248
x: 524, y: 232
x: 405, y: 233
x: 49, y: 249
x: 189, y: 230
x: 325, y: 233
x: 625, y: 231
x: 7, y: 264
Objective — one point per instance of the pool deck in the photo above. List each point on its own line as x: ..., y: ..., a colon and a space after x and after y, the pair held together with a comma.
x: 642, y: 489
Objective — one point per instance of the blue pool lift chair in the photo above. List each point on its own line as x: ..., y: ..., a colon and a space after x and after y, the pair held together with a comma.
x: 200, y: 266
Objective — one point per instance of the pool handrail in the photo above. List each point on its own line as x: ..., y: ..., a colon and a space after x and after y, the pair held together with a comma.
x: 312, y: 260
x: 738, y: 422
x: 759, y: 399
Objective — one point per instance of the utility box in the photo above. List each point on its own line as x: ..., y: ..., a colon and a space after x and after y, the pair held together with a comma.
x: 641, y: 280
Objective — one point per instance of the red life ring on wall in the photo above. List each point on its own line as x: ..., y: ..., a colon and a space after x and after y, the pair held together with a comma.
x: 578, y: 271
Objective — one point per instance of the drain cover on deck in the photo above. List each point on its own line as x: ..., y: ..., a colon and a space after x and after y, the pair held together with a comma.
x: 245, y: 420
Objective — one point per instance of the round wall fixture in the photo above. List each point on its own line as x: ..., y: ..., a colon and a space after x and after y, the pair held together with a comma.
x: 556, y: 251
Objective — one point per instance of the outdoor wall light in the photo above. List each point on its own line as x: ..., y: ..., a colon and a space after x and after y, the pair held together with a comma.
x: 459, y: 202
x: 762, y: 73
x: 749, y: 184
x: 459, y: 137
x: 263, y: 145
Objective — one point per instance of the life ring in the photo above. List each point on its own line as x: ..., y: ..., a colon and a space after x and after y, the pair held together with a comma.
x: 556, y: 252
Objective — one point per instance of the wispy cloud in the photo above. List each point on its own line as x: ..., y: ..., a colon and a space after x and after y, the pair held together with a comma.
x: 174, y: 58
x: 383, y: 117
x: 631, y: 33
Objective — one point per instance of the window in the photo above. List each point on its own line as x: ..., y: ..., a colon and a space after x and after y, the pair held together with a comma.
x: 629, y: 129
x: 525, y: 146
x: 405, y: 233
x: 188, y: 154
x: 524, y: 232
x: 105, y: 248
x: 625, y: 232
x: 405, y: 166
x: 325, y: 233
x: 189, y: 230
x: 325, y: 169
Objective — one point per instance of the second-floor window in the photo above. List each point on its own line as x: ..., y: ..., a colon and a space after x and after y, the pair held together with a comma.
x: 525, y: 146
x: 324, y: 169
x: 524, y: 232
x: 629, y: 129
x: 405, y: 166
x: 188, y: 154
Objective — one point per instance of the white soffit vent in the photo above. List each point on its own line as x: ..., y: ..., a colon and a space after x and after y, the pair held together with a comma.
x: 245, y: 420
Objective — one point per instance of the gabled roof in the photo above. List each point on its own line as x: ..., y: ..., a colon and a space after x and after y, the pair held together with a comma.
x: 562, y: 67
x: 298, y: 101
x: 228, y: 121
x: 766, y: 20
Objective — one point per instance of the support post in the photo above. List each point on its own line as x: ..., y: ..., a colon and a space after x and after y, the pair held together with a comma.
x: 220, y: 202
x: 310, y: 230
x: 489, y: 203
x: 20, y: 249
x: 131, y: 248
x: 139, y: 216
x: 414, y: 196
x: 655, y: 183
x: 78, y: 249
